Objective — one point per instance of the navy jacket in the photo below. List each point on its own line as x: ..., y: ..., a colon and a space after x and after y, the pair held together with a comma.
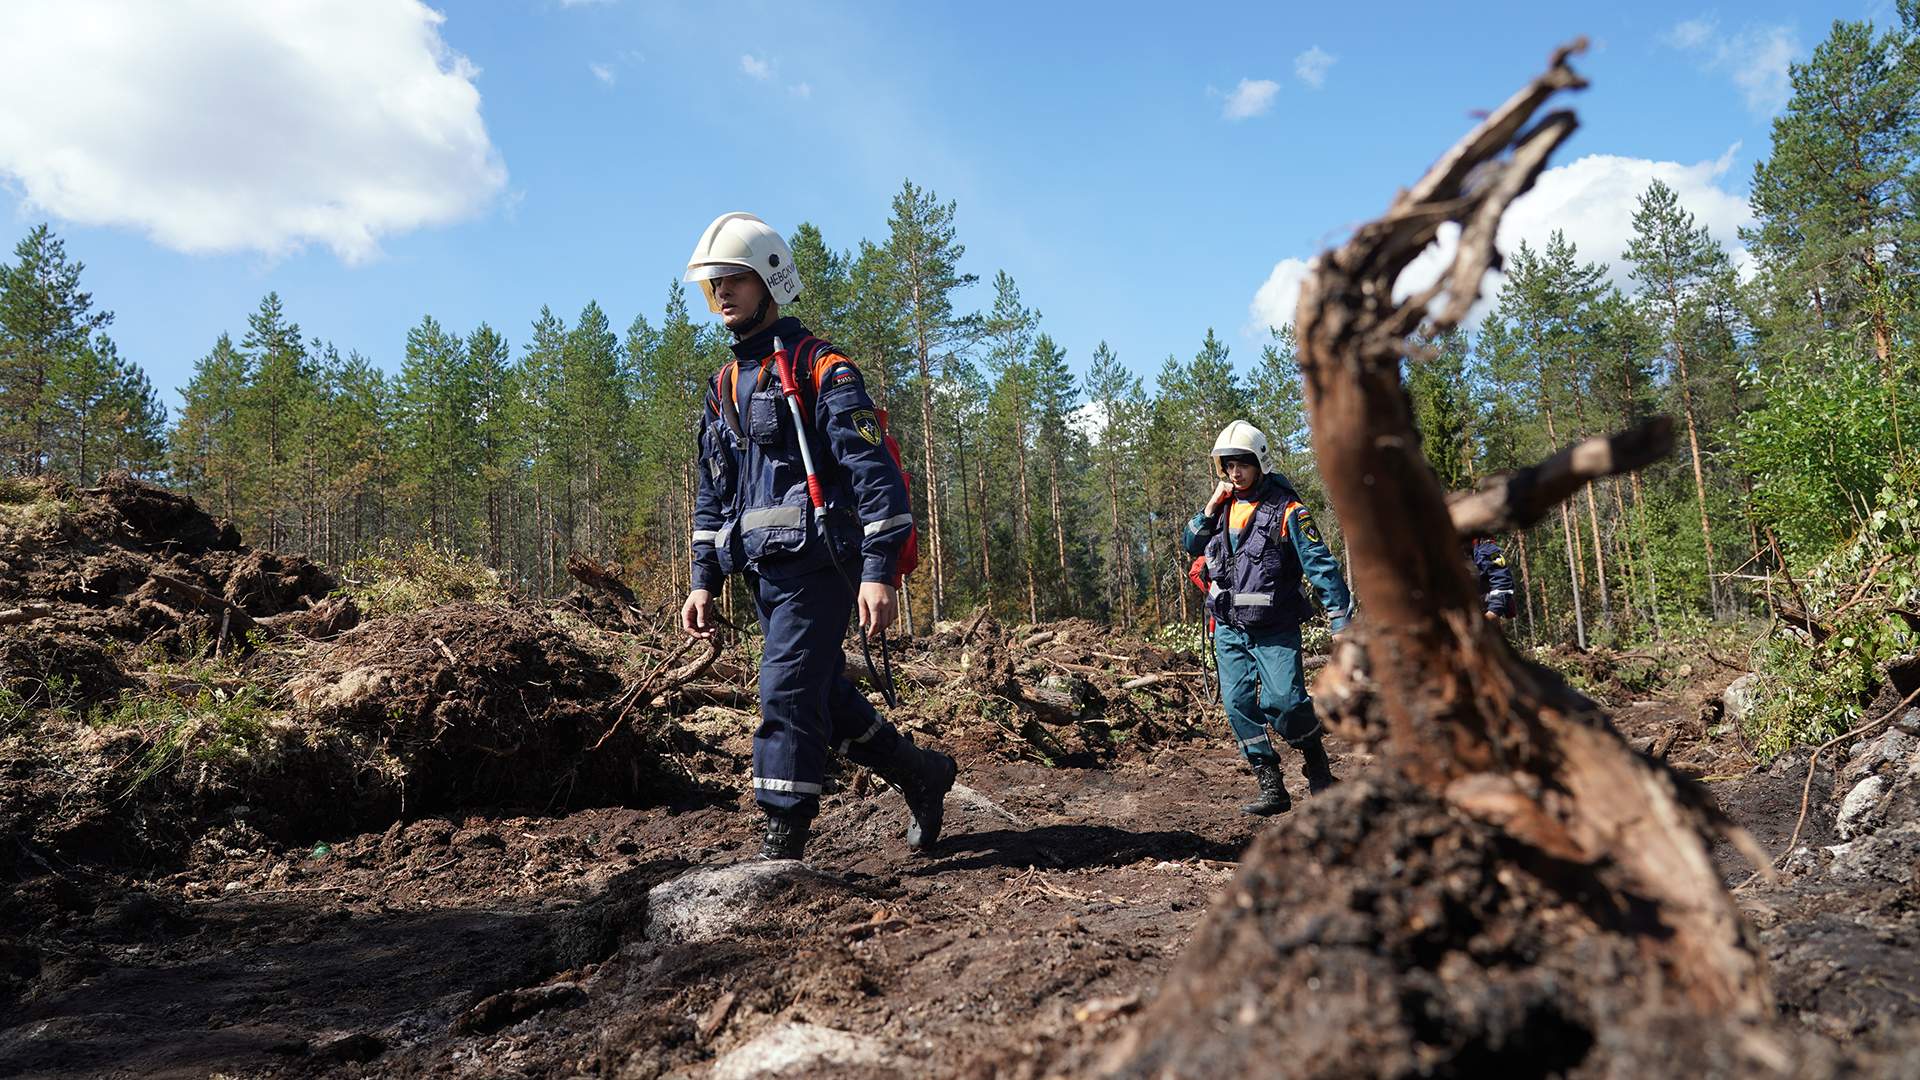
x: 1254, y: 579
x: 752, y: 510
x: 1496, y: 580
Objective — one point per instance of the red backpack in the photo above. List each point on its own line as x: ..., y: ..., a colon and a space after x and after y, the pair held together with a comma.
x: 806, y: 353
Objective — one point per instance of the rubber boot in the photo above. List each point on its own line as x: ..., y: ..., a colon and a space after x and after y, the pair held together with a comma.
x: 1273, y: 791
x: 1318, y: 770
x: 924, y: 777
x: 786, y: 836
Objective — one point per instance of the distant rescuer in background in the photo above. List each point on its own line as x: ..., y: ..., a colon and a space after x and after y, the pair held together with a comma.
x: 754, y: 516
x: 1258, y: 539
x: 1496, y: 579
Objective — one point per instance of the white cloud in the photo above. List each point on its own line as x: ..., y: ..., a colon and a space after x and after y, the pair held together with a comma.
x: 756, y: 67
x: 1311, y: 66
x: 1691, y: 34
x: 1756, y: 58
x: 1591, y: 200
x: 1251, y: 98
x: 1276, y: 298
x: 243, y: 125
x: 1090, y: 419
x: 801, y: 90
x: 603, y: 72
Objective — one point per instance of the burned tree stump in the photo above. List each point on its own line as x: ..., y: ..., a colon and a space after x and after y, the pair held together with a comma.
x: 1514, y: 886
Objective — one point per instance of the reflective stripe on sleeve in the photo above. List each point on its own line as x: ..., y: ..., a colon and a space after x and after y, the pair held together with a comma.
x: 705, y: 536
x: 797, y: 787
x: 888, y: 523
x: 773, y: 517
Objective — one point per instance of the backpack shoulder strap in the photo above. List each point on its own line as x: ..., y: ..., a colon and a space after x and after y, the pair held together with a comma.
x: 726, y: 383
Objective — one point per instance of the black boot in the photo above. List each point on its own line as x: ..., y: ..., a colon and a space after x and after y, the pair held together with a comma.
x: 1318, y: 770
x: 924, y: 777
x: 1273, y: 791
x: 786, y: 836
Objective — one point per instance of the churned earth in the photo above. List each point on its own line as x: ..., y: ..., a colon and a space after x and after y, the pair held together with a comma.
x: 489, y: 840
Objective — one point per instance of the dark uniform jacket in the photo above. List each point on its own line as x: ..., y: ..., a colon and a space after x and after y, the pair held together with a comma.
x: 752, y: 510
x: 1254, y: 579
x: 1496, y: 580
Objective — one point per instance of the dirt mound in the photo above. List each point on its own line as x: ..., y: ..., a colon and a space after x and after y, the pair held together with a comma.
x: 1402, y: 940
x: 133, y: 563
x: 475, y: 704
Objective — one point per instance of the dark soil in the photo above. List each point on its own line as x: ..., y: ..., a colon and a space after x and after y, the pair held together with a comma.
x: 435, y: 857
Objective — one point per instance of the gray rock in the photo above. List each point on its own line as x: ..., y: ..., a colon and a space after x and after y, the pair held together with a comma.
x: 1883, y: 754
x: 711, y: 902
x: 1857, y: 809
x: 1740, y: 696
x: 806, y: 1049
x: 1886, y: 856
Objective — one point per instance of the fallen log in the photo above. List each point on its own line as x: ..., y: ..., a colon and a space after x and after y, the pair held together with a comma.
x: 25, y: 613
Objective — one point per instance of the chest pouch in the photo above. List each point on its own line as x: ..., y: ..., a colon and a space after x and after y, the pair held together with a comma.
x: 766, y: 417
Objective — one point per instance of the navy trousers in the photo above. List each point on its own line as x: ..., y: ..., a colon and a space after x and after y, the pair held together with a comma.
x: 807, y: 703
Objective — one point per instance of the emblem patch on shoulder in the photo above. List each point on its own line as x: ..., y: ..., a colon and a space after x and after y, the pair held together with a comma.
x: 1307, y: 528
x: 868, y: 425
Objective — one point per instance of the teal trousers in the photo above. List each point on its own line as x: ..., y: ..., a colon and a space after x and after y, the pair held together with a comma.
x: 1264, y: 689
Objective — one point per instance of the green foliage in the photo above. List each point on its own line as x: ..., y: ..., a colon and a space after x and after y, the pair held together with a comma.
x: 1814, y: 687
x: 1818, y: 441
x: 397, y: 580
x: 188, y: 721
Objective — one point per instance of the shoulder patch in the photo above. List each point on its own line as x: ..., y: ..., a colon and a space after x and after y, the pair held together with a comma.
x: 867, y: 425
x: 1307, y: 528
x: 841, y: 375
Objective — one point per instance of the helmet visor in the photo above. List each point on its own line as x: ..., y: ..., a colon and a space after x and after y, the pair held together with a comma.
x: 714, y: 271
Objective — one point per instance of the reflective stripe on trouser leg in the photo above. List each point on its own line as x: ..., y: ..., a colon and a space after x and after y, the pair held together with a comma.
x: 804, y: 621
x: 1283, y: 687
x: 1240, y: 691
x: 859, y: 730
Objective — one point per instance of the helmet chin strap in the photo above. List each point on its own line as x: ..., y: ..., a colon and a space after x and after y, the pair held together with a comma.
x: 759, y: 316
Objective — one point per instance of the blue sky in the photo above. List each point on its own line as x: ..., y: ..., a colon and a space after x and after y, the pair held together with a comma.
x: 1143, y: 171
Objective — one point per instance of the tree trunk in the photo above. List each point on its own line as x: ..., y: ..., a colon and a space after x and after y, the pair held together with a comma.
x: 929, y: 463
x: 1693, y: 447
x: 1125, y: 605
x: 1023, y: 522
x: 986, y: 553
x: 1431, y: 687
x: 1568, y: 534
x: 1059, y: 529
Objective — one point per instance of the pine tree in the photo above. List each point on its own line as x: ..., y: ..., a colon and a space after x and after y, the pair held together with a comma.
x: 926, y: 275
x: 1442, y: 408
x: 206, y: 448
x: 1676, y: 261
x: 279, y: 392
x: 45, y: 321
x: 436, y: 404
x: 1054, y: 400
x: 1119, y: 407
x: 1835, y: 200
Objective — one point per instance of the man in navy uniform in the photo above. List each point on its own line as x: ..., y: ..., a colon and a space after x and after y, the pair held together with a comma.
x: 1495, y: 578
x: 805, y: 571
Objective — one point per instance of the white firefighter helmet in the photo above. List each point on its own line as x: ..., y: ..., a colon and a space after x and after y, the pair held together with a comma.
x: 1237, y: 439
x: 736, y: 243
